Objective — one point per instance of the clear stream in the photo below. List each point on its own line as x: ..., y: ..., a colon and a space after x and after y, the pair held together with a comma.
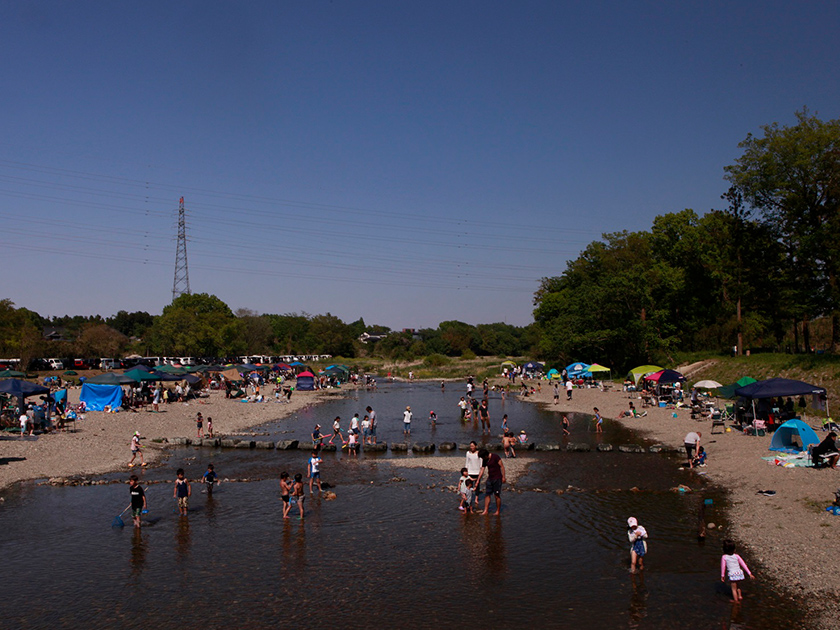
x: 385, y: 553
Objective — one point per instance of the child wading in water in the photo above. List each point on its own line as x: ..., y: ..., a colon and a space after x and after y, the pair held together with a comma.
x: 285, y: 493
x: 297, y: 493
x: 462, y: 486
x: 210, y: 478
x: 467, y: 496
x: 638, y: 545
x: 566, y: 426
x: 508, y: 443
x: 182, y: 492
x: 733, y: 565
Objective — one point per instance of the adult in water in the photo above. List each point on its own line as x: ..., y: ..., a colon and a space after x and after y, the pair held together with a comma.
x: 495, y: 478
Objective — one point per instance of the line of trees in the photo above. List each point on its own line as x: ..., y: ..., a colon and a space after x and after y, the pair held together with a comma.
x: 756, y: 273
x: 203, y: 325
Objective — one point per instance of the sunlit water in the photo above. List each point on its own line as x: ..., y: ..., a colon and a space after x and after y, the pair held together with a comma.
x: 387, y: 552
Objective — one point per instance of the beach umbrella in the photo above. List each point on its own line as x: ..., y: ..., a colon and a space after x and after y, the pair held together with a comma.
x: 707, y: 384
x: 12, y: 374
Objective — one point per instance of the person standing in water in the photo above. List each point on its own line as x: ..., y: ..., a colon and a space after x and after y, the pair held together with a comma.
x: 495, y: 478
x: 138, y: 499
x: 599, y: 421
x: 372, y: 415
x: 566, y: 430
x: 484, y: 414
x: 638, y: 547
x: 182, y: 492
x: 407, y: 421
x: 136, y: 450
x: 314, y: 472
x: 297, y: 492
x: 733, y: 566
x: 285, y: 493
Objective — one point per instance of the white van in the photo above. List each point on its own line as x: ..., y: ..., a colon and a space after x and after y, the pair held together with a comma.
x: 56, y: 364
x: 107, y: 364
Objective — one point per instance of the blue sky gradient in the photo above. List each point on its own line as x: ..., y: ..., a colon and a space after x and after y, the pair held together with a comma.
x: 403, y: 162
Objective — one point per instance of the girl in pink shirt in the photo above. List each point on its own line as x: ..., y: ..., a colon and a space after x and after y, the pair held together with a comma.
x: 733, y: 565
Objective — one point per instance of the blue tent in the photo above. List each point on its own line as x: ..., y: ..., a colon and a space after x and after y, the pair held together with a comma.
x: 783, y: 438
x: 21, y: 389
x: 577, y: 369
x: 96, y: 397
x: 532, y: 366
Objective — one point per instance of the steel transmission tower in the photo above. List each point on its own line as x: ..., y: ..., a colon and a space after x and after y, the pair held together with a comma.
x: 181, y: 283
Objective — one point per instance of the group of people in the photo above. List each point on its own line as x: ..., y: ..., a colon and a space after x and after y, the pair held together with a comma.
x: 366, y: 428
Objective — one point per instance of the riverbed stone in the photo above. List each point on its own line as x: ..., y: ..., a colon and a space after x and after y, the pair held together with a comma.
x: 181, y: 441
x: 303, y: 446
x: 246, y: 444
x: 423, y: 447
x: 447, y: 446
x: 464, y: 447
x: 229, y: 443
x: 288, y: 445
x: 547, y: 446
x: 631, y: 448
x: 578, y: 447
x: 656, y: 448
x: 605, y: 448
x: 261, y: 444
x: 528, y: 446
x: 399, y: 446
x: 379, y: 447
x: 328, y: 448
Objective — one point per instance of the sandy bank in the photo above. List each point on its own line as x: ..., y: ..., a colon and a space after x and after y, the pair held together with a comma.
x: 790, y: 534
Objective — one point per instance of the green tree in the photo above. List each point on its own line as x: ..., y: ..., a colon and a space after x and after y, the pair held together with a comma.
x: 332, y: 336
x: 195, y: 324
x: 131, y: 324
x: 20, y: 338
x: 791, y: 177
x: 100, y: 340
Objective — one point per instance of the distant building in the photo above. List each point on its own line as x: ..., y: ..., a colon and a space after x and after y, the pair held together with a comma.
x: 52, y: 333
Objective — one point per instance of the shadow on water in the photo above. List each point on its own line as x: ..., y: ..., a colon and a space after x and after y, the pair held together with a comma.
x: 385, y: 552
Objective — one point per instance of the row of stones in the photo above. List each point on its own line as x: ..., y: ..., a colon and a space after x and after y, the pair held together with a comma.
x: 417, y: 447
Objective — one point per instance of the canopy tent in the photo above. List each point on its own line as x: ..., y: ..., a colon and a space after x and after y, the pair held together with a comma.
x: 12, y: 374
x: 665, y: 376
x: 70, y: 373
x: 728, y: 391
x: 143, y: 368
x: 97, y: 397
x: 707, y: 384
x: 532, y: 366
x: 282, y: 367
x: 192, y: 379
x: 305, y: 381
x: 551, y: 372
x: 172, y: 369
x: 773, y: 387
x: 793, y: 435
x: 643, y: 370
x: 138, y: 375
x: 574, y: 370
x: 22, y: 389
x: 248, y: 367
x: 232, y: 374
x: 110, y: 378
x: 508, y: 364
x: 598, y: 370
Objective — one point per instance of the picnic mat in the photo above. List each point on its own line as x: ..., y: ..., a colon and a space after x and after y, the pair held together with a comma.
x: 793, y: 460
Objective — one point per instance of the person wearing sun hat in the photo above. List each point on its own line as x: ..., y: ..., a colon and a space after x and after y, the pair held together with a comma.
x: 638, y: 545
x: 136, y: 450
x: 407, y: 421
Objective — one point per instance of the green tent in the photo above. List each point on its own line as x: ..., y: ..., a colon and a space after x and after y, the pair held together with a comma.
x: 637, y: 373
x: 110, y: 378
x: 171, y: 369
x: 728, y: 391
x: 11, y: 374
x: 141, y: 375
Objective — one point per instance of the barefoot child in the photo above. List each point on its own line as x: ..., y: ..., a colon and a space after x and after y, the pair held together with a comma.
x: 210, y: 478
x: 566, y: 426
x: 599, y: 421
x: 136, y: 450
x: 297, y: 492
x: 733, y: 565
x: 504, y: 424
x: 432, y: 419
x: 467, y: 496
x: 461, y: 487
x: 199, y: 422
x: 353, y: 443
x: 182, y: 492
x: 508, y: 443
x: 638, y: 547
x: 285, y: 492
x: 314, y: 471
x: 337, y: 430
x: 210, y: 426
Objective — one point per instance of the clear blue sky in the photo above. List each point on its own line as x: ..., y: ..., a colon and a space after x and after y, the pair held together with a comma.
x: 403, y: 162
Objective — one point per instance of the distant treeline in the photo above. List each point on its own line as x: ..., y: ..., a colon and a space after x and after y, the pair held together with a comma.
x: 757, y: 273
x: 202, y: 325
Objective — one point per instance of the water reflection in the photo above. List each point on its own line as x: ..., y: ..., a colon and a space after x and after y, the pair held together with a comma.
x: 138, y: 552
x: 485, y: 547
x: 293, y: 545
x: 638, y: 599
x: 183, y: 539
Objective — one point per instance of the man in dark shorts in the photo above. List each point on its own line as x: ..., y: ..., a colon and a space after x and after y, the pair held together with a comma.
x: 138, y: 499
x: 495, y: 478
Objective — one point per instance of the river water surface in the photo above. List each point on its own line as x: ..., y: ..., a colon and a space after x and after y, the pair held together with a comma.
x: 391, y: 550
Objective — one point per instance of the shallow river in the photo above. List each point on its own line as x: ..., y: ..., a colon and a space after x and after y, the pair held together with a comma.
x: 390, y: 551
